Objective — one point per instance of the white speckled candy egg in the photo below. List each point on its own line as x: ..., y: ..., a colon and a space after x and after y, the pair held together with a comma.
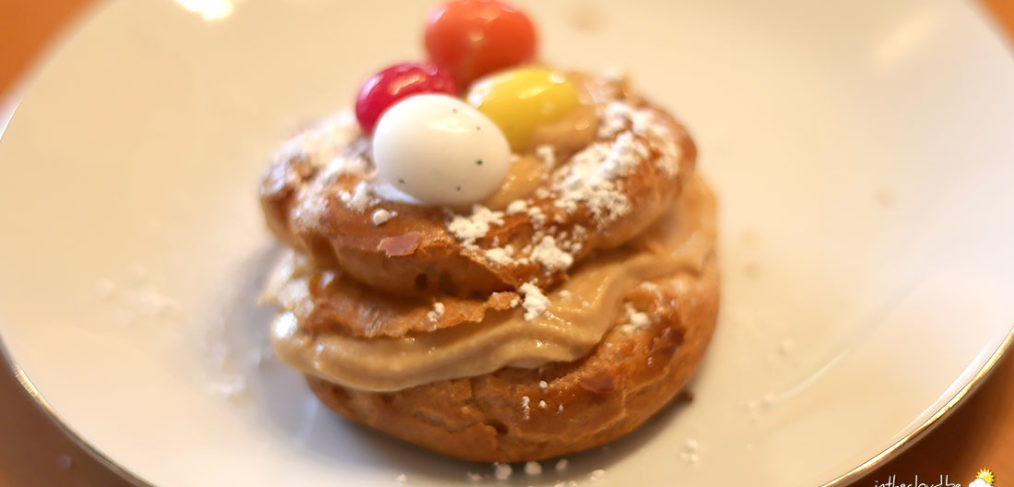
x: 440, y: 151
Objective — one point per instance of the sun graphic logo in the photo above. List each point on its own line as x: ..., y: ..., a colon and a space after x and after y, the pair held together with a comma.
x: 983, y: 479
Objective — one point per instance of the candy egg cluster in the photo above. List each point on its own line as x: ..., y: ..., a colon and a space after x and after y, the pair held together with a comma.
x: 435, y: 148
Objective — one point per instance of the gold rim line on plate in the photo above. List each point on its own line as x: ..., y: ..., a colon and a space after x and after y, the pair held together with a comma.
x: 933, y: 421
x: 43, y: 405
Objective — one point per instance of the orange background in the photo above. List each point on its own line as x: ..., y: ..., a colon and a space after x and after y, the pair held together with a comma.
x: 33, y: 451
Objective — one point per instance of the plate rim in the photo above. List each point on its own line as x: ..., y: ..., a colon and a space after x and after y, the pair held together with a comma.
x: 938, y: 417
x: 892, y: 451
x: 42, y: 405
x: 10, y: 103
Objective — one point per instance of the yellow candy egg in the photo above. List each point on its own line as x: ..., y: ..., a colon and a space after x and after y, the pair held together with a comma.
x: 521, y: 99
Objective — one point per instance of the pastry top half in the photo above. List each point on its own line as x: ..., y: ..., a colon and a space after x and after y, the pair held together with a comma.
x: 604, y: 202
x: 590, y: 182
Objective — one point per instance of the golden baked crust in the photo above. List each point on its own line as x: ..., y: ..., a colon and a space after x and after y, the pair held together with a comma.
x: 626, y: 379
x: 306, y: 202
x: 329, y: 301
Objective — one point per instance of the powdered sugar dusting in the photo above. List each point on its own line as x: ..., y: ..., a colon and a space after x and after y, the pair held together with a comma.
x: 546, y: 154
x: 502, y: 471
x: 517, y: 206
x: 615, y: 118
x: 619, y: 116
x: 636, y: 320
x: 469, y: 228
x: 592, y: 182
x: 536, y: 215
x: 501, y: 255
x: 535, y: 303
x: 690, y: 452
x: 355, y: 165
x: 433, y: 315
x: 382, y: 216
x: 360, y: 198
x: 550, y: 256
x: 590, y: 179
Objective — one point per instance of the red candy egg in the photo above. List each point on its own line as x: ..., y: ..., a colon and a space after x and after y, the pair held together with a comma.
x: 472, y: 38
x: 390, y: 85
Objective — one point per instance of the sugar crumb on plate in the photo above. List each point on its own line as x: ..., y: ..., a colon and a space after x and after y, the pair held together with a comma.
x: 502, y: 471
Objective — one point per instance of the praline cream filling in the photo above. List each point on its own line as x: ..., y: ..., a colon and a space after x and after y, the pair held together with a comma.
x: 579, y: 313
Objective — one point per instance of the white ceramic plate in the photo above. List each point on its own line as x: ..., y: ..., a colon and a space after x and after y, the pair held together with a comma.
x: 861, y: 151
